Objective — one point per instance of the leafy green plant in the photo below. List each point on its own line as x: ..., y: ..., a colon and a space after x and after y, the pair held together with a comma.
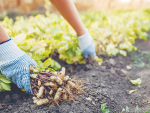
x: 4, y: 83
x: 148, y: 111
x: 136, y: 109
x: 41, y: 37
x: 127, y: 109
x: 103, y: 108
x: 141, y: 58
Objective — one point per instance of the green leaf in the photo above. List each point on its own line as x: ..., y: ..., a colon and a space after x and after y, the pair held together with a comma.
x: 136, y: 109
x: 63, y: 43
x: 19, y: 38
x: 40, y: 64
x: 136, y: 82
x: 30, y: 31
x: 6, y: 86
x: 70, y: 54
x: 122, y: 52
x: 127, y: 109
x: 1, y: 88
x: 34, y: 75
x: 57, y: 66
x: 58, y: 36
x: 25, y: 48
x: 115, y: 51
x: 47, y: 62
x: 103, y: 108
x: 67, y: 38
x: 148, y: 111
x: 35, y: 70
x: 5, y: 80
x: 43, y: 31
x: 75, y: 59
x: 63, y: 48
x: 53, y: 63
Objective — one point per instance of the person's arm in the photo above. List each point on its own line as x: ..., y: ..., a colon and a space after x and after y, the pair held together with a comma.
x: 3, y: 35
x: 70, y: 13
x: 68, y: 10
x: 14, y: 63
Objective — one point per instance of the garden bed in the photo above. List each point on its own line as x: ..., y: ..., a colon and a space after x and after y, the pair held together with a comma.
x: 107, y: 84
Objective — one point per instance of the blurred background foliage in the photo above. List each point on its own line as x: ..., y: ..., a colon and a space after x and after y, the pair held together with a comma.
x: 27, y: 6
x: 38, y: 29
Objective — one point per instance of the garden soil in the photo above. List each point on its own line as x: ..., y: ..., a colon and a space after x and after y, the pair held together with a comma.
x: 106, y: 84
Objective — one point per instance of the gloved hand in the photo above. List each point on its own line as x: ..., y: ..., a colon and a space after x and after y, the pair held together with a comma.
x: 87, y: 45
x: 14, y: 64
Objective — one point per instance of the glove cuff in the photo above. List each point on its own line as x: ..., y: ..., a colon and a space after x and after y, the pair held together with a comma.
x: 85, y: 40
x: 9, y: 51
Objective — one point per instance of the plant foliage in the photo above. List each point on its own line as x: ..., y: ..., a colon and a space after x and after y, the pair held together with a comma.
x: 4, y: 83
x: 44, y: 35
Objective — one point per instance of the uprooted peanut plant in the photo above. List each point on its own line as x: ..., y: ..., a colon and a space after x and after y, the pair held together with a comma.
x: 54, y: 87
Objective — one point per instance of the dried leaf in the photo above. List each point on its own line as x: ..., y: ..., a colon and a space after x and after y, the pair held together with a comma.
x: 89, y: 98
x: 129, y: 67
x: 131, y: 91
x: 136, y: 82
x: 1, y: 107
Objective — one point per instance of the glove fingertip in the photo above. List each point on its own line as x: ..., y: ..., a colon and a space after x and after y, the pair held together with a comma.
x: 93, y: 54
x: 33, y: 62
x: 86, y: 56
x: 26, y: 83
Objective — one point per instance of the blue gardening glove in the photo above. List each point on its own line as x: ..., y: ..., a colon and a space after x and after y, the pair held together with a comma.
x: 87, y: 45
x: 14, y: 64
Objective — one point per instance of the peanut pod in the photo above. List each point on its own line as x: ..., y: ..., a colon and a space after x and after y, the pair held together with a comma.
x: 34, y: 98
x: 40, y: 93
x: 39, y: 83
x: 53, y: 84
x: 35, y: 101
x: 58, y: 93
x: 61, y: 76
x: 42, y: 101
x: 58, y: 80
x: 63, y: 70
x: 71, y: 84
x: 52, y: 78
x: 66, y: 78
x: 64, y: 95
x: 51, y: 92
x: 47, y: 84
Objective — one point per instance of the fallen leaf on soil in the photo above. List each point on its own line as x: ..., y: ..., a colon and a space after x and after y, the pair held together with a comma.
x: 1, y: 107
x: 136, y: 82
x: 93, y: 103
x: 123, y: 110
x: 89, y: 98
x: 131, y: 91
x: 128, y: 67
x: 145, y: 101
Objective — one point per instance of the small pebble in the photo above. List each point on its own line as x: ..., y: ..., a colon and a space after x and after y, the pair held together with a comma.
x: 112, y: 62
x: 10, y: 107
x: 33, y: 106
x: 15, y: 97
x: 7, y: 98
x: 124, y: 71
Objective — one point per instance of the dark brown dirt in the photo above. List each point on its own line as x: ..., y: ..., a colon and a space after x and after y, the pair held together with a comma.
x: 107, y: 84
